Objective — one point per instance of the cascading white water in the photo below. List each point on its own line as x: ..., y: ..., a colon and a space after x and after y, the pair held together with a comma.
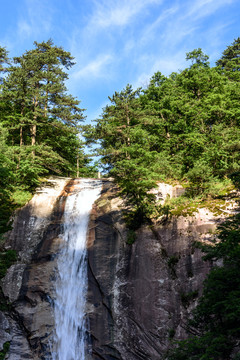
x: 71, y: 286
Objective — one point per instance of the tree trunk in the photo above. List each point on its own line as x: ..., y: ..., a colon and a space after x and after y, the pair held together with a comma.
x: 20, y: 144
x: 46, y: 103
x: 33, y: 128
x: 77, y: 165
x: 33, y: 131
x: 128, y: 128
x: 33, y: 134
x: 166, y: 127
x: 21, y: 136
x: 21, y: 128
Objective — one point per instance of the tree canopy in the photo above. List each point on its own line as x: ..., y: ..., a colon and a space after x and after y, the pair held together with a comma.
x: 184, y: 127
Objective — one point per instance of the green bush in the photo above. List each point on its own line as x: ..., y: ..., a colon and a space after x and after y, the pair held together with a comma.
x: 7, y: 258
x: 3, y: 353
x: 131, y: 237
x: 20, y: 197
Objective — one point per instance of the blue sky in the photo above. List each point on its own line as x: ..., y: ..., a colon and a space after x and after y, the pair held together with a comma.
x: 116, y: 42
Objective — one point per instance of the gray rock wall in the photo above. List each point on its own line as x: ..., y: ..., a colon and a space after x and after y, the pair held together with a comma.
x: 29, y: 284
x: 141, y: 294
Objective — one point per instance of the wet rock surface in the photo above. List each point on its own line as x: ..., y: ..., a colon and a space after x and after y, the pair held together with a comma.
x: 29, y: 284
x: 103, y: 256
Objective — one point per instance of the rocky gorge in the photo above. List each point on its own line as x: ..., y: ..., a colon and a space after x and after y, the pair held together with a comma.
x: 139, y: 295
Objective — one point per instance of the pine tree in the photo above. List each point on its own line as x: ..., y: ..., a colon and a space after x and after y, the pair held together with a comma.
x: 43, y: 72
x: 230, y: 61
x: 39, y: 106
x: 4, y: 60
x: 127, y: 148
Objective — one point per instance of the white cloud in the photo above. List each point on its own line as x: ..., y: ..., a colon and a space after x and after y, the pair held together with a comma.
x: 94, y: 69
x: 119, y: 12
x: 153, y: 28
x: 162, y: 27
x: 24, y: 28
x: 202, y: 8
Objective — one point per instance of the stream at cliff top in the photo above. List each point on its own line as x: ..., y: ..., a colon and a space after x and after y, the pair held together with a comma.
x: 70, y: 339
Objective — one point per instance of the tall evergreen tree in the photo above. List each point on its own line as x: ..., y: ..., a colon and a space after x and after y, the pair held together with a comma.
x: 127, y: 148
x: 39, y: 106
x: 43, y: 73
x: 230, y: 61
x: 4, y: 60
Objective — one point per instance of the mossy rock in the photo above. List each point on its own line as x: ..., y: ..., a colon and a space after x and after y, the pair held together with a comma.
x: 104, y: 204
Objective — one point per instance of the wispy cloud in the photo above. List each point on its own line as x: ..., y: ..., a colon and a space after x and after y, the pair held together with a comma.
x: 111, y: 38
x: 37, y: 19
x: 119, y: 12
x: 202, y: 8
x: 93, y: 69
x: 152, y: 30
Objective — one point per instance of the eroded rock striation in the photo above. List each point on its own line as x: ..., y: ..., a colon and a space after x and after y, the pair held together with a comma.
x: 139, y: 295
x: 29, y: 284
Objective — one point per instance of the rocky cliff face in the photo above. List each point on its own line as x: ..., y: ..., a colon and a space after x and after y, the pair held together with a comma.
x: 139, y: 295
x: 28, y: 284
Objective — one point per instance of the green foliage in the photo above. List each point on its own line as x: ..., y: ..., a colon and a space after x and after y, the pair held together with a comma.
x: 199, y: 177
x: 213, y: 198
x: 186, y: 299
x: 7, y: 258
x: 205, y: 348
x: 135, y: 186
x: 171, y: 333
x: 183, y: 127
x: 39, y: 119
x: 172, y: 262
x: 127, y: 149
x: 198, y: 58
x: 6, y: 178
x: 3, y: 353
x: 230, y: 61
x: 131, y: 237
x: 20, y: 197
x: 89, y: 170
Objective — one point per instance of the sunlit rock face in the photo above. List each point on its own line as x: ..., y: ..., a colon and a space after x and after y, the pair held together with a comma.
x: 140, y: 295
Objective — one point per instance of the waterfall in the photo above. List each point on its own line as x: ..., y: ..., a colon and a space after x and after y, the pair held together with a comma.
x: 71, y: 286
